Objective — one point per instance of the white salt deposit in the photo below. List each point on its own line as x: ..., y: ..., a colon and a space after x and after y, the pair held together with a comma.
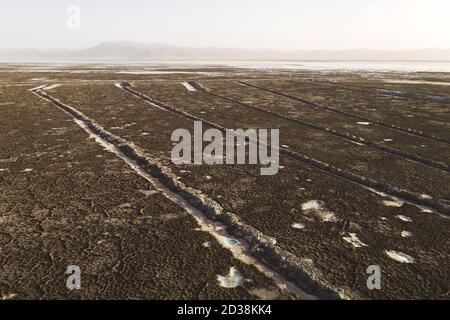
x: 354, y: 241
x: 406, y: 234
x: 312, y: 204
x: 404, y: 218
x: 188, y: 86
x: 298, y: 226
x: 399, y: 256
x: 393, y: 203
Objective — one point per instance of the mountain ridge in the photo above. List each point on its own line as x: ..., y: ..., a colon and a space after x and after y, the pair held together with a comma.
x: 142, y: 50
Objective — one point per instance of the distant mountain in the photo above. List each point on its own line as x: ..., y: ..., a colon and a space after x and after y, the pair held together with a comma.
x: 159, y: 51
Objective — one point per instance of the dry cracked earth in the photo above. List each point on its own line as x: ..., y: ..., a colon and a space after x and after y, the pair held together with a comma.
x: 86, y: 179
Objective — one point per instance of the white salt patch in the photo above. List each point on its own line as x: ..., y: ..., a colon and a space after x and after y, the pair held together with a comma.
x: 406, y: 234
x: 27, y: 170
x: 354, y: 241
x: 241, y: 252
x: 9, y: 160
x: 388, y: 91
x: 9, y: 296
x: 7, y: 103
x: 188, y: 86
x: 208, y: 178
x: 219, y: 227
x: 152, y: 72
x: 207, y: 244
x: 298, y: 226
x: 329, y: 217
x: 145, y: 134
x: 404, y: 218
x: 425, y: 210
x: 148, y: 192
x: 317, y: 207
x: 124, y: 126
x: 2, y: 170
x: 399, y: 256
x: 233, y: 280
x: 426, y: 196
x: 312, y: 204
x: 53, y: 86
x: 376, y: 192
x: 38, y: 87
x: 363, y: 123
x: 388, y: 140
x: 393, y: 203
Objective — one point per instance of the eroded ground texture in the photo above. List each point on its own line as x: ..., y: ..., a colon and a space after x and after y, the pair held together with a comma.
x: 87, y: 180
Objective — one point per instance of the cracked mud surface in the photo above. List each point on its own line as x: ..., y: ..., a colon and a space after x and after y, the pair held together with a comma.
x: 64, y: 200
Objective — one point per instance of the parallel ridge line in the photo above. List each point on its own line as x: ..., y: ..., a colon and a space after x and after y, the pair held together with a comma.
x: 384, y: 91
x: 394, y: 191
x: 344, y: 135
x: 285, y: 269
x: 409, y: 131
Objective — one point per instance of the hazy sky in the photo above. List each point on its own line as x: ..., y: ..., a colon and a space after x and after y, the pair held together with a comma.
x: 271, y: 24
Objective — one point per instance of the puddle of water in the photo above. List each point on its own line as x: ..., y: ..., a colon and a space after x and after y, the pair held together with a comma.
x: 230, y: 242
